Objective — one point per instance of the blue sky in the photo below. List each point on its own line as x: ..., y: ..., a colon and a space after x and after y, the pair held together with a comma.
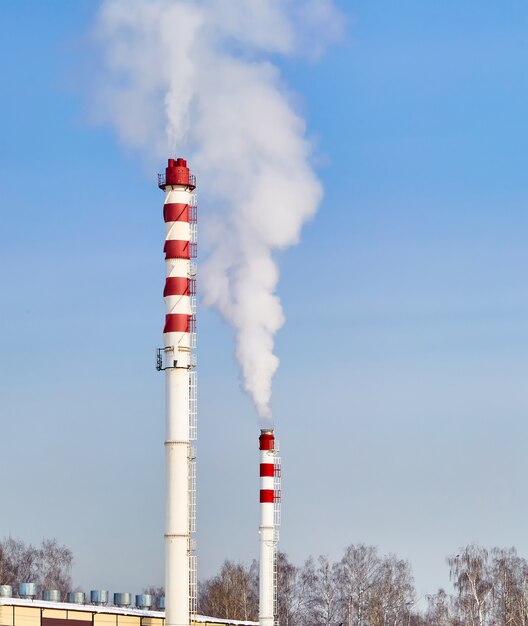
x: 401, y: 398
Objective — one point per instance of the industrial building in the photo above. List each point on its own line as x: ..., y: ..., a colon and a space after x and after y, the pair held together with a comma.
x: 28, y: 612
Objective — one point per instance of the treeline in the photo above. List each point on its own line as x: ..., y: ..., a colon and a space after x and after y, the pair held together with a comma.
x: 364, y: 588
x: 48, y: 565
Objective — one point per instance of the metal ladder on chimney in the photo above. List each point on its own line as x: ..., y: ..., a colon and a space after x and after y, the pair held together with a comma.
x: 193, y: 427
x: 276, y: 522
x: 193, y: 575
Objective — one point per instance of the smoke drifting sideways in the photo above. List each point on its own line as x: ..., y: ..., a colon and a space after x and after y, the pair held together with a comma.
x: 198, y: 76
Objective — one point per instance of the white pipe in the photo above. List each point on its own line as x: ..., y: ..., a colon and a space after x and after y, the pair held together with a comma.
x: 177, y: 535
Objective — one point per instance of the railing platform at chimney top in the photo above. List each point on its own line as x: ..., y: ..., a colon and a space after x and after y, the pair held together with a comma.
x: 162, y: 181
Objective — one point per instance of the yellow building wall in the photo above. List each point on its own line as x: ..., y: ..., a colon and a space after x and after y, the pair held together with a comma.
x: 100, y: 619
x: 152, y: 621
x: 55, y: 613
x: 128, y: 620
x: 6, y: 616
x: 27, y: 616
x: 84, y: 616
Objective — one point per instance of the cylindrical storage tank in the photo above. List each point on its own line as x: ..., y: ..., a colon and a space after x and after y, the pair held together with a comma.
x: 161, y: 603
x: 76, y: 597
x: 99, y: 597
x: 27, y: 590
x: 122, y: 599
x: 6, y: 591
x: 144, y: 601
x: 51, y: 595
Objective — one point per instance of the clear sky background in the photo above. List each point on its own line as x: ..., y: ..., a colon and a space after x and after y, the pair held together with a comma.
x: 401, y: 399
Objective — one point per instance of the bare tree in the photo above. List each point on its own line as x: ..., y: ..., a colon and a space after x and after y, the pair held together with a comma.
x: 292, y: 584
x: 439, y: 609
x: 18, y: 561
x: 48, y: 566
x: 321, y: 584
x: 491, y: 589
x: 358, y: 570
x: 472, y: 576
x: 53, y: 566
x: 231, y: 594
x: 374, y: 590
x: 510, y: 587
x: 392, y: 593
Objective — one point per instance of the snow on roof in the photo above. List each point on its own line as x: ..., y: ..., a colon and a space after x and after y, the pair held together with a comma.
x: 217, y: 620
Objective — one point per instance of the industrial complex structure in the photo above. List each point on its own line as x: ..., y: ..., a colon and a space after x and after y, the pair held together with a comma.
x: 177, y: 360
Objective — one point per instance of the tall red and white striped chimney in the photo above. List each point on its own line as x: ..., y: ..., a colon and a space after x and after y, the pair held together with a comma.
x: 269, y: 520
x: 177, y: 360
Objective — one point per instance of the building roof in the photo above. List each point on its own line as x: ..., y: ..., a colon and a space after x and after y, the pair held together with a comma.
x: 115, y: 610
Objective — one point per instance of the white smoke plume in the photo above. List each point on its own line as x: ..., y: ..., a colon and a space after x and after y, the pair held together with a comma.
x: 197, y: 76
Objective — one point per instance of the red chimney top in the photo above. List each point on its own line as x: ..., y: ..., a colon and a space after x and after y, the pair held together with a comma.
x: 267, y: 439
x: 177, y: 173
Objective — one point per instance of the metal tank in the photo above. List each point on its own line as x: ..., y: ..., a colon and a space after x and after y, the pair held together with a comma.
x: 27, y: 590
x: 51, y: 595
x: 76, y: 597
x: 99, y: 597
x: 144, y: 601
x: 161, y: 603
x: 123, y: 599
x: 6, y: 591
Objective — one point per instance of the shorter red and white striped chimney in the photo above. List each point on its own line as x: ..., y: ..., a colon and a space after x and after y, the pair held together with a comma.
x: 269, y: 512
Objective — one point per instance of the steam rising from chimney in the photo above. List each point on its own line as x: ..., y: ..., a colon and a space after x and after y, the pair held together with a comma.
x: 197, y: 75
